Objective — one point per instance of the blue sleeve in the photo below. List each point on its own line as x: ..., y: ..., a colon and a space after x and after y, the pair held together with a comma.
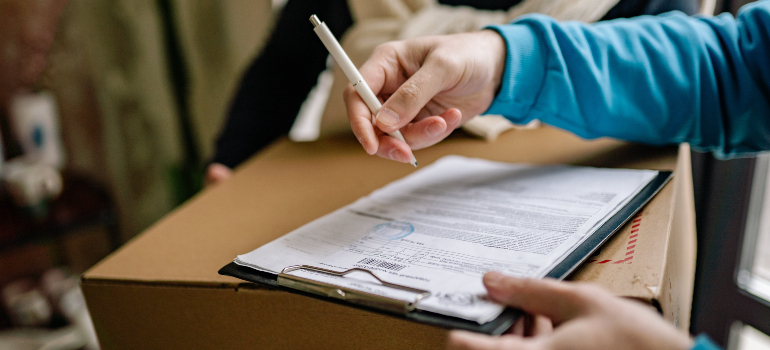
x: 703, y: 342
x: 657, y: 80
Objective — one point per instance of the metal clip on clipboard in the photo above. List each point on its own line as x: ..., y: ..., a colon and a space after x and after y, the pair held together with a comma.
x: 350, y: 295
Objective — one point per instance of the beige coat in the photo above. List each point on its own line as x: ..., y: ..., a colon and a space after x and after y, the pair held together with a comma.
x: 379, y: 21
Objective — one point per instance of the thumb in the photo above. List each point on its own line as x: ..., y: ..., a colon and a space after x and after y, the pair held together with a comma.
x: 463, y: 340
x: 559, y: 301
x: 404, y: 104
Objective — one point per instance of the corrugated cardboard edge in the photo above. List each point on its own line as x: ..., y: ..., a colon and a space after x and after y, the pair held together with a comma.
x: 145, y: 316
x: 628, y: 264
x: 679, y: 277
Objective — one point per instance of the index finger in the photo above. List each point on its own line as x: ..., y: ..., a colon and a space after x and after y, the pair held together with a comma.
x: 374, y: 73
x: 360, y: 120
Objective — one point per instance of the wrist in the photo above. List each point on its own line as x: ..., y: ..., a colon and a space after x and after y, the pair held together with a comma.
x: 497, y: 52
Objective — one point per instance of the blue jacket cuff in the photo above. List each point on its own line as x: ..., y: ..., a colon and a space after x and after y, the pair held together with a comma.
x: 702, y: 342
x: 524, y: 72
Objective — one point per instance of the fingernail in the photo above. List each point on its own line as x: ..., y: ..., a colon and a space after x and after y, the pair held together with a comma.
x: 434, y: 129
x: 397, y: 155
x: 387, y: 117
x: 493, y: 279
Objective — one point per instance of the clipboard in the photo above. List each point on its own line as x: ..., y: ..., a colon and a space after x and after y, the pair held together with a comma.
x: 407, y: 310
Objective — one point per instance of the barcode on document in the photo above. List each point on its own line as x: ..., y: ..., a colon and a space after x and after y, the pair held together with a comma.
x: 382, y: 263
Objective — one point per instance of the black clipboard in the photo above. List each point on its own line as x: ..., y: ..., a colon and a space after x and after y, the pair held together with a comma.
x: 495, y: 327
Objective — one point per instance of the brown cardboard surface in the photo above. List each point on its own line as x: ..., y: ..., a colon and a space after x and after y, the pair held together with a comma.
x: 639, y: 276
x: 291, y: 184
x: 164, y: 286
x: 140, y: 316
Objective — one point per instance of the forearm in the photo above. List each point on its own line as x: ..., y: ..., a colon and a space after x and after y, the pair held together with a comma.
x: 657, y: 80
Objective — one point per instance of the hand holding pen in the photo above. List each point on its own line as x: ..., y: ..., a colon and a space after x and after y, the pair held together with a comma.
x: 430, y: 86
x: 357, y: 83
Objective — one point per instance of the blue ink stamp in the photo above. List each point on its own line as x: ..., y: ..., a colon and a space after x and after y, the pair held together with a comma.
x: 392, y: 230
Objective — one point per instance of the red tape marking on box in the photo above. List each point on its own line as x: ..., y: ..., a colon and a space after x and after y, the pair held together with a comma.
x: 624, y: 260
x: 631, y: 244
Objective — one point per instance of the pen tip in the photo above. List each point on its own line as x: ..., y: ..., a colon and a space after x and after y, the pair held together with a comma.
x: 415, y: 164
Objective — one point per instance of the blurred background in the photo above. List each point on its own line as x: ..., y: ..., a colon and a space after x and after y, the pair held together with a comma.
x: 110, y: 112
x: 107, y: 124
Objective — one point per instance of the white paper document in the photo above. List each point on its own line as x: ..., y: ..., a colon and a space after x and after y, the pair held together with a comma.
x: 441, y: 228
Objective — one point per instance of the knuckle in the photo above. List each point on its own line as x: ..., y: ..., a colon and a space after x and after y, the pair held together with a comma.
x: 410, y: 92
x: 584, y: 292
x: 384, y: 49
x: 525, y: 284
x: 589, y: 289
x: 522, y: 287
x: 446, y: 63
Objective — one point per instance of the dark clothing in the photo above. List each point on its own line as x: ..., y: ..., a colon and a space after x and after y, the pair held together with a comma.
x: 266, y: 103
x: 279, y: 79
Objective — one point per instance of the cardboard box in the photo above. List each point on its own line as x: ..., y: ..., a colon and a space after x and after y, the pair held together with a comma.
x: 162, y: 290
x: 653, y: 257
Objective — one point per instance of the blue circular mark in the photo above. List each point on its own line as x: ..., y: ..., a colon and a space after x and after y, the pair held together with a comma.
x: 38, y: 136
x: 392, y: 230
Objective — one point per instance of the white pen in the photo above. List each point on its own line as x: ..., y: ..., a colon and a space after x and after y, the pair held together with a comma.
x: 351, y: 72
